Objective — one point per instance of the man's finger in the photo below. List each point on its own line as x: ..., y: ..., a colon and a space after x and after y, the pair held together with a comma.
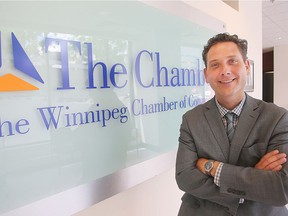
x: 277, y: 159
x: 276, y: 163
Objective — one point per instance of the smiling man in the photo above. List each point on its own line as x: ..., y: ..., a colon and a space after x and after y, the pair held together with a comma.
x: 232, y: 150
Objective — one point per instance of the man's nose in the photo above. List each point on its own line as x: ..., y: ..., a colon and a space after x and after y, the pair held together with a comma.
x: 226, y: 70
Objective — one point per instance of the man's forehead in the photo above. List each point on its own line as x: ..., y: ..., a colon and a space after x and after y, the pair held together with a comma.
x: 221, y: 50
x: 224, y: 57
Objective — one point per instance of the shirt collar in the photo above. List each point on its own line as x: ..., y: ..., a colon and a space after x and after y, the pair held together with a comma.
x: 237, y: 110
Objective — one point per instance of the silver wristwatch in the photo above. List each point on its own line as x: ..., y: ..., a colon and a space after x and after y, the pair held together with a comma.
x: 208, y: 166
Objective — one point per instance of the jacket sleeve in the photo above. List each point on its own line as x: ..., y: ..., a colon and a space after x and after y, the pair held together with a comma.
x: 190, y: 179
x: 259, y: 185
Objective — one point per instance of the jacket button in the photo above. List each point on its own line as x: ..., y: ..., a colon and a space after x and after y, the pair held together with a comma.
x: 231, y: 190
x: 238, y: 192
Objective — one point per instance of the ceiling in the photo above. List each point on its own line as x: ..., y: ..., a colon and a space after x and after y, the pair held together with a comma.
x: 275, y: 23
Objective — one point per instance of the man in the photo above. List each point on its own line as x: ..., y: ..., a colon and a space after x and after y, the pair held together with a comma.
x: 232, y: 165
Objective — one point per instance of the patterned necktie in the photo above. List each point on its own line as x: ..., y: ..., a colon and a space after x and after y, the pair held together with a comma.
x: 230, y: 126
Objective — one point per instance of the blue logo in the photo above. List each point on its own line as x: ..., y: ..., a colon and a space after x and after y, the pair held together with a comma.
x: 10, y: 82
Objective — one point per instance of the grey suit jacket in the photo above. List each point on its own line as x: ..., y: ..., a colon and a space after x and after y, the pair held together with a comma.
x: 262, y: 127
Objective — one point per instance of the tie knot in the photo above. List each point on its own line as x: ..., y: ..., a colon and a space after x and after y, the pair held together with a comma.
x: 229, y: 116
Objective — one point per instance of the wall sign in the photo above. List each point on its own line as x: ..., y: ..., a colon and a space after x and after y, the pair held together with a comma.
x: 78, y: 106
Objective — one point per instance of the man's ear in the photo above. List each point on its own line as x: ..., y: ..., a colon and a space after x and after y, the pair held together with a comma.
x: 205, y: 74
x: 247, y: 66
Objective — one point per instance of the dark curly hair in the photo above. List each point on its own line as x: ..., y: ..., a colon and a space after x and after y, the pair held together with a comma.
x: 225, y: 37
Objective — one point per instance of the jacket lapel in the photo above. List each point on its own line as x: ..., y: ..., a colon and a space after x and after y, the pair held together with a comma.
x: 246, y: 122
x: 216, y: 125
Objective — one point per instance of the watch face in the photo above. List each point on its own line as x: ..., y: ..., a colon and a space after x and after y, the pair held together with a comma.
x: 208, y: 165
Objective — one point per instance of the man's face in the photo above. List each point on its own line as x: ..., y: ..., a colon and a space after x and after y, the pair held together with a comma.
x: 226, y: 71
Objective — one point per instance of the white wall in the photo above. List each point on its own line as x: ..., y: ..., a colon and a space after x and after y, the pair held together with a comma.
x: 160, y: 195
x: 280, y: 76
x: 247, y: 23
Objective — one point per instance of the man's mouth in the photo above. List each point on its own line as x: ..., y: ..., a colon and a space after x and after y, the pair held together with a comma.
x: 226, y: 81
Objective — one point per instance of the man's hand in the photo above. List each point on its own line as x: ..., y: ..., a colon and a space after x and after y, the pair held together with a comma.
x: 272, y: 161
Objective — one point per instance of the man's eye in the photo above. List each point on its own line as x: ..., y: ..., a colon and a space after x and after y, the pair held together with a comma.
x: 233, y: 61
x: 214, y: 65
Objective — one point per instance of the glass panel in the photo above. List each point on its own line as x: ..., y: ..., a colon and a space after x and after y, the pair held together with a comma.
x: 105, y: 92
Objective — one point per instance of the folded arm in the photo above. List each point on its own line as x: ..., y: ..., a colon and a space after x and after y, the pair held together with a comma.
x: 267, y: 181
x: 271, y: 161
x: 190, y: 179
